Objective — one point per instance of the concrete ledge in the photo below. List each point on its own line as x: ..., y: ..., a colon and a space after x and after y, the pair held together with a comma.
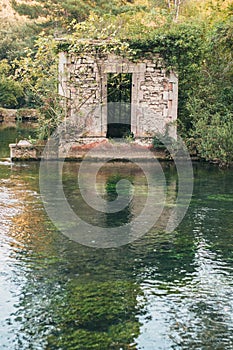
x: 24, y: 150
x: 77, y: 150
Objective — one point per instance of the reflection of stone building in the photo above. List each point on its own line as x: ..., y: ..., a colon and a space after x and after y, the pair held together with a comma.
x: 146, y: 92
x: 105, y: 184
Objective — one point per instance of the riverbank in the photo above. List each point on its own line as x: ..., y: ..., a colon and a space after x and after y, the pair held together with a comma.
x: 94, y: 149
x: 8, y: 116
x: 13, y: 131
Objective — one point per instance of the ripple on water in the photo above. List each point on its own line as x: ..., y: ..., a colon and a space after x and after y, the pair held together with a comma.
x: 9, y: 290
x: 187, y: 283
x: 190, y: 313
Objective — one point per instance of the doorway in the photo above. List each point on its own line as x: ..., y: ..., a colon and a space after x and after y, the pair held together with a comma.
x: 119, y: 91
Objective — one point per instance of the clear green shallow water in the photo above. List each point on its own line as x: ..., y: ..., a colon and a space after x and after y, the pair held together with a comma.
x: 11, y: 133
x: 163, y: 291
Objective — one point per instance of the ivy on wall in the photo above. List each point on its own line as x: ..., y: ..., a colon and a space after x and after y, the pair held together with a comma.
x: 181, y: 47
x: 198, y: 50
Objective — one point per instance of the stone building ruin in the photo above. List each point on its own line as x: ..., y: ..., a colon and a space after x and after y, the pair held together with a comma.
x: 144, y: 103
x: 107, y: 96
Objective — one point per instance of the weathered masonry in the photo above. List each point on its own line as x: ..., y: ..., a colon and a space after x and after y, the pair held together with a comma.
x: 110, y: 96
x: 107, y: 96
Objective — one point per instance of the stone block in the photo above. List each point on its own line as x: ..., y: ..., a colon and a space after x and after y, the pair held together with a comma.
x: 165, y: 95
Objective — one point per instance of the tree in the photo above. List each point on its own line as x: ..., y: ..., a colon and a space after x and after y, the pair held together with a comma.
x: 63, y: 12
x: 37, y: 73
x: 174, y: 7
x: 11, y: 92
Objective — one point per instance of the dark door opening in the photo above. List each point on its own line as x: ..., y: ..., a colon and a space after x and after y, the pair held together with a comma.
x: 119, y: 90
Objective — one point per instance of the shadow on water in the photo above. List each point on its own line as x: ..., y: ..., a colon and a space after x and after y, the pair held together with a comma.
x: 163, y: 291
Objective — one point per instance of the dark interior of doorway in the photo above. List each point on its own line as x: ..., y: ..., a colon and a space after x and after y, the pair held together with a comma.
x: 119, y: 89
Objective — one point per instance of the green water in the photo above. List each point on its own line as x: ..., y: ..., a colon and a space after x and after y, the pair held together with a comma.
x: 12, y: 133
x: 163, y: 291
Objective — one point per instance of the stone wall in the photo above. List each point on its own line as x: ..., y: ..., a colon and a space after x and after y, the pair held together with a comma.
x: 154, y: 96
x: 13, y: 115
x: 24, y: 150
x: 103, y: 150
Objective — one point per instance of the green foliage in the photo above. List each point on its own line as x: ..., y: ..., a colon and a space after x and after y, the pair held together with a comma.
x: 210, y: 105
x: 51, y: 115
x: 181, y: 46
x: 160, y: 141
x: 5, y: 68
x: 15, y: 37
x: 32, y: 11
x: 214, y: 137
x: 38, y: 75
x: 63, y: 12
x: 37, y: 69
x: 200, y: 50
x: 11, y: 92
x: 119, y: 87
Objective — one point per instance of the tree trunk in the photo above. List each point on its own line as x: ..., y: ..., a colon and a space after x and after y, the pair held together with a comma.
x: 169, y: 4
x: 177, y: 9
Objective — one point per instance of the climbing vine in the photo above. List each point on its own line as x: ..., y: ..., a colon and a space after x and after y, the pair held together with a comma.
x: 181, y: 46
x: 199, y: 51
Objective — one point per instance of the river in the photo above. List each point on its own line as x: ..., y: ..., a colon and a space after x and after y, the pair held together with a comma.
x: 163, y: 291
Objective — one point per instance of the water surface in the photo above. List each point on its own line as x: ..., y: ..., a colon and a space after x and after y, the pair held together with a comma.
x: 163, y: 291
x: 14, y: 132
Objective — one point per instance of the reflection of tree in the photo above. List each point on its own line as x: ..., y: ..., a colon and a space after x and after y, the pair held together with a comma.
x: 13, y: 133
x: 171, y: 253
x: 30, y: 229
x: 76, y: 297
x: 56, y: 308
x: 124, y: 215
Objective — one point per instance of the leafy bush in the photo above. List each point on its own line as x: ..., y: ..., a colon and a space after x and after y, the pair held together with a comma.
x: 37, y: 72
x: 198, y: 46
x: 214, y: 138
x: 161, y: 141
x: 11, y: 92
